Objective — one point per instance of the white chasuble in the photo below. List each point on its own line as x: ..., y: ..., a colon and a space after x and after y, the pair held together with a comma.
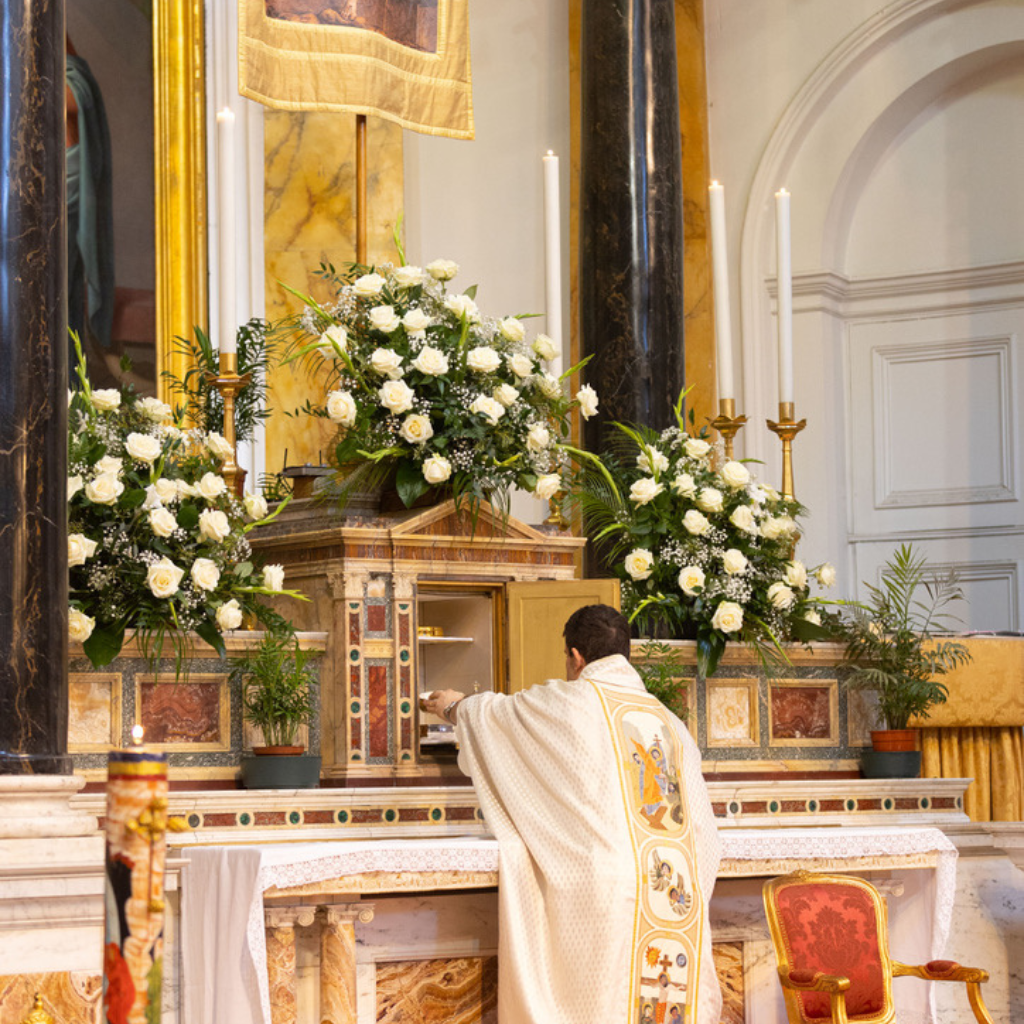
x: 609, y: 851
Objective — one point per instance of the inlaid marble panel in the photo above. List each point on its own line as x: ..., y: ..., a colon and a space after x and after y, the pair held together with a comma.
x: 861, y: 716
x: 94, y: 711
x: 377, y: 686
x: 804, y: 713
x: 462, y: 990
x: 732, y: 713
x: 192, y: 714
x: 729, y: 968
x: 66, y: 996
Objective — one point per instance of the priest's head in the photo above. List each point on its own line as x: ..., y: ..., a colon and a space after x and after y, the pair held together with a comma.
x: 593, y: 632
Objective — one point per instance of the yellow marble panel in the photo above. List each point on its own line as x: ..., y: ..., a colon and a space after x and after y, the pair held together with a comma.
x: 66, y: 996
x: 729, y: 968
x: 309, y: 218
x: 861, y: 716
x: 94, y: 711
x: 732, y: 713
x: 454, y: 991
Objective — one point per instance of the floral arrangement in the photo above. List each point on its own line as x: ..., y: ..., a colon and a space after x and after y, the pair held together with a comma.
x: 422, y: 384
x: 155, y: 541
x: 701, y: 548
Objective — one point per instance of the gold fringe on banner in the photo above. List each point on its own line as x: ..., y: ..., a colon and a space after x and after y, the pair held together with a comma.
x: 403, y: 60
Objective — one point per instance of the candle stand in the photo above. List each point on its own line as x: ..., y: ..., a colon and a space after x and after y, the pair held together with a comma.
x: 727, y: 423
x: 229, y: 383
x: 787, y: 428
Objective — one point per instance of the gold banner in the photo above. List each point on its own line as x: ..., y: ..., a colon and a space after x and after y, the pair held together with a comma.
x: 403, y: 60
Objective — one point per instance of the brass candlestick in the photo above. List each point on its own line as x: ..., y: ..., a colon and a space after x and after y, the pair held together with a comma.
x: 787, y: 428
x: 228, y: 383
x: 727, y: 423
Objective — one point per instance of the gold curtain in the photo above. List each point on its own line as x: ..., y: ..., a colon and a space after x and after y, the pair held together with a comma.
x: 403, y: 60
x: 992, y: 755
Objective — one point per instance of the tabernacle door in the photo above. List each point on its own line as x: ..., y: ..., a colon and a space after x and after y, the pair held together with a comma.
x: 536, y: 614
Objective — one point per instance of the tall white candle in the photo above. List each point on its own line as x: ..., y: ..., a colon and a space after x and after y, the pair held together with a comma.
x: 226, y: 231
x: 784, y: 270
x: 720, y: 281
x: 553, y: 257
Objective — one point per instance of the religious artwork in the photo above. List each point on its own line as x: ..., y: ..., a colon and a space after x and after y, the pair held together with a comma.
x: 732, y: 713
x: 663, y: 983
x: 653, y: 770
x: 670, y: 887
x: 407, y: 22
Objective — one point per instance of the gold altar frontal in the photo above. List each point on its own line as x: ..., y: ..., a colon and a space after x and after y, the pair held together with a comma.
x: 421, y: 600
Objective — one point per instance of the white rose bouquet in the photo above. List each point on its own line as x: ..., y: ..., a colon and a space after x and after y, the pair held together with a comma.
x: 155, y: 541
x: 425, y: 386
x: 702, y: 550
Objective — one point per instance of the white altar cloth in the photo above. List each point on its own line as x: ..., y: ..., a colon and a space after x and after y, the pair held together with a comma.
x: 224, y: 964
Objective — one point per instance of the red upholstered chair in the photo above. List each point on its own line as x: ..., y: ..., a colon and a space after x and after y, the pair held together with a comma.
x: 831, y: 939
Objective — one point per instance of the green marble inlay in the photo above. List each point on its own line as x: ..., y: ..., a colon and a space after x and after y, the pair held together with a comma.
x: 851, y: 804
x: 773, y: 806
x: 353, y: 655
x: 390, y: 814
x: 244, y: 818
x: 887, y: 804
x: 354, y: 605
x: 812, y: 806
x: 194, y: 821
x: 403, y: 656
x: 356, y: 756
x: 294, y: 817
x: 342, y: 817
x: 403, y: 607
x: 435, y: 814
x: 355, y: 707
x: 406, y: 756
x: 405, y: 706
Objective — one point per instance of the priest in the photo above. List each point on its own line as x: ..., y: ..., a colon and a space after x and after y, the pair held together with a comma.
x: 608, y: 843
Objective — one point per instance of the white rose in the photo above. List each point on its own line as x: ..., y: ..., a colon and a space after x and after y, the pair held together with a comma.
x: 387, y: 362
x: 538, y: 438
x: 487, y: 407
x: 205, y: 574
x: 771, y: 528
x: 341, y: 408
x: 169, y: 430
x: 153, y: 409
x: 770, y: 492
x: 644, y: 490
x: 164, y: 578
x: 334, y: 340
x: 743, y: 519
x: 796, y: 575
x: 512, y: 328
x: 550, y: 386
x: 186, y: 490
x: 74, y: 485
x: 728, y: 617
x: 787, y: 524
x: 548, y: 485
x: 436, y: 470
x: 812, y: 616
x: 506, y: 394
x: 218, y: 444
x: 483, y: 359
x: 214, y: 525
x: 255, y: 505
x: 691, y: 579
x: 165, y: 491
x: 639, y: 563
x: 695, y: 522
x: 735, y: 475
x: 416, y: 429
x: 211, y: 486
x: 709, y: 500
x: 396, y: 396
x: 431, y: 361
x: 106, y: 399
x: 369, y: 285
x: 545, y: 348
x: 463, y: 307
x: 757, y: 494
x: 80, y: 626
x: 520, y: 364
x: 826, y: 574
x: 656, y: 463
x: 162, y: 522
x: 408, y: 276
x: 684, y: 485
x: 781, y: 596
x: 385, y: 319
x: 153, y: 499
x: 108, y: 464
x: 80, y: 548
x: 696, y: 448
x: 104, y: 490
x: 229, y: 615
x: 442, y: 270
x: 734, y: 562
x: 416, y: 321
x: 273, y: 577
x: 587, y: 397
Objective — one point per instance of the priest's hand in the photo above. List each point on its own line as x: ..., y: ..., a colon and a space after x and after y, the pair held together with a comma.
x: 439, y: 700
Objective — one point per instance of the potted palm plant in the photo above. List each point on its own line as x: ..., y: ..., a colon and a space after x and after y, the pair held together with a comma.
x: 278, y: 690
x: 892, y: 649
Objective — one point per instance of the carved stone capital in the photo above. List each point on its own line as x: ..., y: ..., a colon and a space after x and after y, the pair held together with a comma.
x: 337, y: 915
x: 403, y: 586
x: 289, y: 917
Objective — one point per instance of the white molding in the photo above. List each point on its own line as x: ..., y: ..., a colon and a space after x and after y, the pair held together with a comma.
x: 951, y: 533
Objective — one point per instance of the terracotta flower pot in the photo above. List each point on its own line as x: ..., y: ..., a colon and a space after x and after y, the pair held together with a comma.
x: 277, y: 751
x: 894, y: 739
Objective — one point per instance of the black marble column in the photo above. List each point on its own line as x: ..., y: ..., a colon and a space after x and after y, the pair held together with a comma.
x: 631, y: 213
x: 33, y: 392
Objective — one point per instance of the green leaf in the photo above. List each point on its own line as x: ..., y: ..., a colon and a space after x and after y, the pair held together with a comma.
x: 347, y: 450
x: 132, y: 499
x: 471, y: 291
x: 410, y: 483
x: 209, y: 632
x: 243, y: 569
x: 188, y: 516
x: 104, y: 645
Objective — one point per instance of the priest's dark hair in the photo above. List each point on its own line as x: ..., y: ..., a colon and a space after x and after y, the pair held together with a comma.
x: 597, y: 631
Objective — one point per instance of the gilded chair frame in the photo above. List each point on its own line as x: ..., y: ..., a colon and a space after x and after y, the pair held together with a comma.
x: 836, y: 986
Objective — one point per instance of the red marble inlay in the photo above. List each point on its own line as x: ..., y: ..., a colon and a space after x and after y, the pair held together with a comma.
x: 377, y: 708
x: 403, y: 628
x: 268, y: 818
x: 907, y: 803
x: 353, y: 628
x: 831, y: 805
x: 318, y: 817
x: 355, y: 682
x: 460, y: 813
x: 792, y: 806
x: 180, y: 712
x: 406, y: 734
x: 719, y: 810
x: 376, y: 618
x: 754, y: 806
x: 801, y: 713
x: 868, y: 805
x: 403, y: 680
x: 366, y: 815
x: 413, y: 814
x: 943, y: 803
x: 218, y: 820
x: 356, y: 734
